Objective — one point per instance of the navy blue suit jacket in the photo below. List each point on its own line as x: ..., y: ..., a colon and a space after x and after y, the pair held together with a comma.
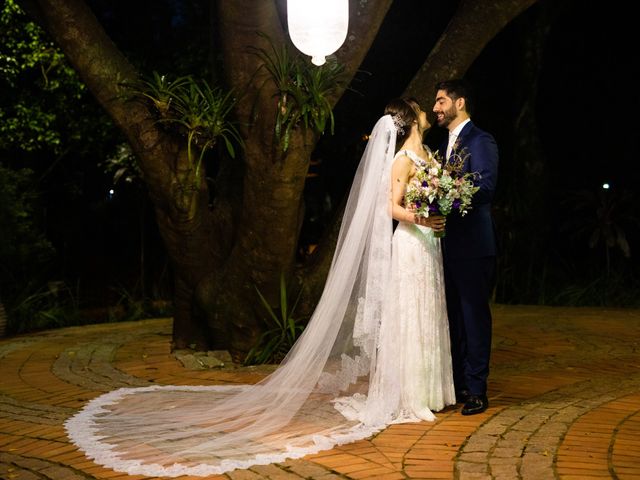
x: 473, y: 236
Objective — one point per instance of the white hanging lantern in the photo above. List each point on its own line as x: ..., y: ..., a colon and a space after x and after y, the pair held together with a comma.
x: 318, y: 27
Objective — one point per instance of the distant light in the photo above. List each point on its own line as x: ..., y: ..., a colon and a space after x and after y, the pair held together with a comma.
x: 111, y: 192
x: 605, y: 186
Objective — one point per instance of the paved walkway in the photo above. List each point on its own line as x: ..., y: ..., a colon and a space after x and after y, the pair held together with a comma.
x: 564, y: 403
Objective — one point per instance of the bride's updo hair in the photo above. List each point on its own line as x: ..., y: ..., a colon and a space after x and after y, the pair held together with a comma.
x: 404, y: 114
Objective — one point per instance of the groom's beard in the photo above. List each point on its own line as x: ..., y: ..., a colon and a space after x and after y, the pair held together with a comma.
x: 449, y: 116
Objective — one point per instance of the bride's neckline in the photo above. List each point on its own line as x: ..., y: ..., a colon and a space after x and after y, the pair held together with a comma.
x: 424, y: 151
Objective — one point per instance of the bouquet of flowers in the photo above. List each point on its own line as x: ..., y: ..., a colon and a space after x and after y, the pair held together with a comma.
x: 440, y: 187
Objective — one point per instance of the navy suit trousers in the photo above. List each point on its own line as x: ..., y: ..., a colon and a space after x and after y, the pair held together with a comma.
x: 468, y: 284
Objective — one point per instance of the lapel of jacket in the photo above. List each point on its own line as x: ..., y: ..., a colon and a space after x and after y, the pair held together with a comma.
x: 442, y: 149
x: 460, y: 141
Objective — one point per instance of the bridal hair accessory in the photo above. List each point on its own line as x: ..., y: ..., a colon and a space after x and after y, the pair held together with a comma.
x: 398, y: 123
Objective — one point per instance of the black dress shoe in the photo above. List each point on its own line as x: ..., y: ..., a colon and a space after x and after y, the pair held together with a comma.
x: 462, y: 396
x: 475, y: 404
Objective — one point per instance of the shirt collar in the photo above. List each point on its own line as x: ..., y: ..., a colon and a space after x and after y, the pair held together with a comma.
x: 456, y: 131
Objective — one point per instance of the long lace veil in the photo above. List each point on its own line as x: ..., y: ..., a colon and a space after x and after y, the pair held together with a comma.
x: 204, y: 430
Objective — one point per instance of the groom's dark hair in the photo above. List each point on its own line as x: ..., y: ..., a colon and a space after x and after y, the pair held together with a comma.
x: 459, y: 88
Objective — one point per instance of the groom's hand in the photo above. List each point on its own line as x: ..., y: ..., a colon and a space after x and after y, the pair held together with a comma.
x: 435, y: 222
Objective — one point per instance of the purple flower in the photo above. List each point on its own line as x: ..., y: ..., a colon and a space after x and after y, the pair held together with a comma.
x: 418, y: 203
x: 425, y: 184
x: 433, y: 208
x: 456, y: 203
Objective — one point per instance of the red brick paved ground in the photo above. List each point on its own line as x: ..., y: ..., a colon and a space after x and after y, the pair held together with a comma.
x: 564, y: 403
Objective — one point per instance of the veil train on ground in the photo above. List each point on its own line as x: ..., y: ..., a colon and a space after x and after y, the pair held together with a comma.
x: 325, y: 392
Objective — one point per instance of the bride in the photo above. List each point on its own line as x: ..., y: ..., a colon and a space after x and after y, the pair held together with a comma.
x: 375, y: 352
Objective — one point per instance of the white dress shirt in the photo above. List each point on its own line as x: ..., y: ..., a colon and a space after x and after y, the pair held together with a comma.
x: 453, y: 136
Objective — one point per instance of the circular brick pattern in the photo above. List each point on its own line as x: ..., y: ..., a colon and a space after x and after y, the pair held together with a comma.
x: 25, y: 468
x: 564, y: 403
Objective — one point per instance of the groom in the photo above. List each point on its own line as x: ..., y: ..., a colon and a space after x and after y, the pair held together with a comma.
x: 469, y: 248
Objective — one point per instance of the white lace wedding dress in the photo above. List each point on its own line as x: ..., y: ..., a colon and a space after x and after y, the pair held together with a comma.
x: 413, y: 374
x: 375, y: 352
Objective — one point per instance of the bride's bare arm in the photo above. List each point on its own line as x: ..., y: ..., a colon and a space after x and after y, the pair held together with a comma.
x: 401, y: 171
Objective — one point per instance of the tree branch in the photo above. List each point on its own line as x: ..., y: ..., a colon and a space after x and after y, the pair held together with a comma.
x: 474, y: 25
x: 88, y: 48
x: 241, y: 21
x: 104, y: 69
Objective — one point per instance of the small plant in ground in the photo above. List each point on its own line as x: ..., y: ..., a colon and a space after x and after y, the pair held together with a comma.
x: 275, y: 343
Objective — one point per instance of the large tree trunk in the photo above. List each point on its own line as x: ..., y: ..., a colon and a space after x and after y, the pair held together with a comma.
x: 180, y: 198
x: 272, y: 213
x: 249, y: 236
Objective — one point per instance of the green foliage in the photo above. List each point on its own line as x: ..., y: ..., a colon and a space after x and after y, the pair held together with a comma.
x: 41, y: 96
x: 130, y: 306
x: 24, y: 250
x: 20, y: 237
x: 304, y: 91
x: 274, y: 344
x: 51, y: 306
x: 603, y: 219
x: 56, y: 305
x: 25, y: 52
x: 48, y: 121
x: 195, y: 109
x: 24, y: 47
x: 618, y: 289
x: 123, y: 165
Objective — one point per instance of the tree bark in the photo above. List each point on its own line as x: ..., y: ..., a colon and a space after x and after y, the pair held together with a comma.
x: 474, y: 25
x: 179, y: 197
x: 272, y: 208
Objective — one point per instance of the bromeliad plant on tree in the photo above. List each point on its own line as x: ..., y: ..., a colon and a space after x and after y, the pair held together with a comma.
x: 304, y: 91
x: 197, y: 111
